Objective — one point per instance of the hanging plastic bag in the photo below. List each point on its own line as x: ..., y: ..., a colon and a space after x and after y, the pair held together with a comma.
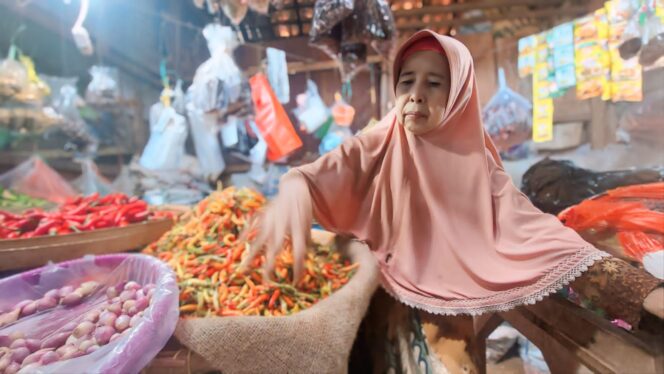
x: 13, y: 78
x: 277, y: 74
x: 136, y: 343
x: 311, y: 111
x: 104, y: 87
x: 179, y: 98
x: 258, y: 155
x: 34, y: 178
x: 272, y: 120
x: 65, y: 101
x: 91, y: 180
x: 507, y: 116
x: 328, y: 13
x: 165, y: 148
x: 343, y: 115
x: 205, y: 134
x: 218, y: 81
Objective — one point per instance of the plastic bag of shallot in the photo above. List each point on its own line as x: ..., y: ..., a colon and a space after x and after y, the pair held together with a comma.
x: 104, y: 314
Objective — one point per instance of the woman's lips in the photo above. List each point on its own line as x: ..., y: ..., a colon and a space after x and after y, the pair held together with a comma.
x: 414, y: 115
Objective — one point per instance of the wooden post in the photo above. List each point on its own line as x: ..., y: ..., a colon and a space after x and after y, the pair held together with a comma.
x: 603, y: 123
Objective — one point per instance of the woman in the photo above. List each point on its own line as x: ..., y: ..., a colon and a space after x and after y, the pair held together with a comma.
x: 426, y: 190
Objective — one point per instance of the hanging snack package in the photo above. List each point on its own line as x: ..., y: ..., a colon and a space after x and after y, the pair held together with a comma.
x: 526, y: 60
x: 327, y: 14
x: 34, y: 178
x: 507, y: 116
x: 165, y: 149
x: 311, y: 111
x: 91, y: 180
x: 104, y: 87
x: 273, y: 122
x: 277, y: 74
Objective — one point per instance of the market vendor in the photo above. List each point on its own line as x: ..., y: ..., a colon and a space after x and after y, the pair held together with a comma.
x: 427, y: 192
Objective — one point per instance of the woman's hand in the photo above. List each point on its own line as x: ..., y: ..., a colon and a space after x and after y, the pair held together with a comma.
x: 288, y: 217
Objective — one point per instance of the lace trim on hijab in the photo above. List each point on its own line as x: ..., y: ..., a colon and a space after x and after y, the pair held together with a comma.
x: 562, y: 275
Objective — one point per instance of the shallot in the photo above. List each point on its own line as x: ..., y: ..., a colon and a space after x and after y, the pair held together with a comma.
x: 103, y: 334
x: 49, y: 357
x: 122, y: 322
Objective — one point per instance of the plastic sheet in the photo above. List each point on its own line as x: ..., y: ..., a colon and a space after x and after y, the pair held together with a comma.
x: 104, y: 87
x: 507, y: 116
x: 91, y: 180
x: 627, y: 222
x: 166, y: 147
x: 642, y: 122
x: 205, y: 134
x: 553, y: 185
x: 34, y: 178
x: 133, y: 350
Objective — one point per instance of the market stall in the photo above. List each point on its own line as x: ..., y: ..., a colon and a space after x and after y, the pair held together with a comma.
x: 142, y: 143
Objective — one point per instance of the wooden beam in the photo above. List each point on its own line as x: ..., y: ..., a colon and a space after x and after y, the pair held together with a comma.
x: 544, y: 13
x: 462, y: 7
x: 303, y: 67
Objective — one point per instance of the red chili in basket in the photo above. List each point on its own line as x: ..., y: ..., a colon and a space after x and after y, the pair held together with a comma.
x: 75, y: 215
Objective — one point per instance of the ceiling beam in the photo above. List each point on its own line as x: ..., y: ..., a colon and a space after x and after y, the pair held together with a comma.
x: 473, y: 5
x: 540, y: 14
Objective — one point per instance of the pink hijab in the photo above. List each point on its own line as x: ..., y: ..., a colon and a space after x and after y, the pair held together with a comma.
x: 451, y: 232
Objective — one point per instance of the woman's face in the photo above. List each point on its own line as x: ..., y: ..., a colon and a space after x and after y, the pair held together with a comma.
x: 422, y: 91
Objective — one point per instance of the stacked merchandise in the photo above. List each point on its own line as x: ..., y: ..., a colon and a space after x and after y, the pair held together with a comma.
x: 593, y: 61
x: 626, y: 75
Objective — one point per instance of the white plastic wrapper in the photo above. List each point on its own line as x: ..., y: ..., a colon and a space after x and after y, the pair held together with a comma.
x: 311, y: 111
x: 91, y: 181
x: 218, y: 81
x: 166, y: 147
x: 103, y: 87
x: 277, y: 74
x: 205, y: 133
x: 152, y: 282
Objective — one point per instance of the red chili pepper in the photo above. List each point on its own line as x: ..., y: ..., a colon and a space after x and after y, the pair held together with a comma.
x: 44, y: 227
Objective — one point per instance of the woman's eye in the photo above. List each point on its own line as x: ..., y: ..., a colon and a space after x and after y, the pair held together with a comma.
x: 434, y: 84
x: 407, y: 82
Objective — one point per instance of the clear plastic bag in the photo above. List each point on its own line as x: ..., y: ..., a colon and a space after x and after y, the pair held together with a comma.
x: 13, y: 78
x: 507, y: 116
x: 343, y: 115
x: 124, y: 182
x: 166, y: 147
x: 91, y: 181
x: 311, y: 111
x: 642, y: 122
x: 104, y: 87
x: 205, y: 134
x: 129, y: 353
x: 34, y: 178
x: 277, y: 74
x: 218, y: 81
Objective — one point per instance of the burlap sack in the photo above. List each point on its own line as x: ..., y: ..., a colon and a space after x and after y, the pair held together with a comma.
x: 317, y: 340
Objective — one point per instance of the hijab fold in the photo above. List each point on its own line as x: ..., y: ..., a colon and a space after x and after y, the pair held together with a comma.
x: 451, y: 232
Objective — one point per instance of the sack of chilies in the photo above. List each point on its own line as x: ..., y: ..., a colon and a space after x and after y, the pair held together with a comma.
x: 104, y: 314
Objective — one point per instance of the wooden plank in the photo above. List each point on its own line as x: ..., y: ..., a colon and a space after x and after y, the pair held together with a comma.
x: 462, y: 7
x: 602, y: 123
x: 33, y: 252
x: 566, y: 333
x: 516, y: 14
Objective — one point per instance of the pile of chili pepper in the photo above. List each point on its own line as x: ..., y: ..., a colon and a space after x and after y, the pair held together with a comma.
x: 75, y: 215
x: 205, y: 250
